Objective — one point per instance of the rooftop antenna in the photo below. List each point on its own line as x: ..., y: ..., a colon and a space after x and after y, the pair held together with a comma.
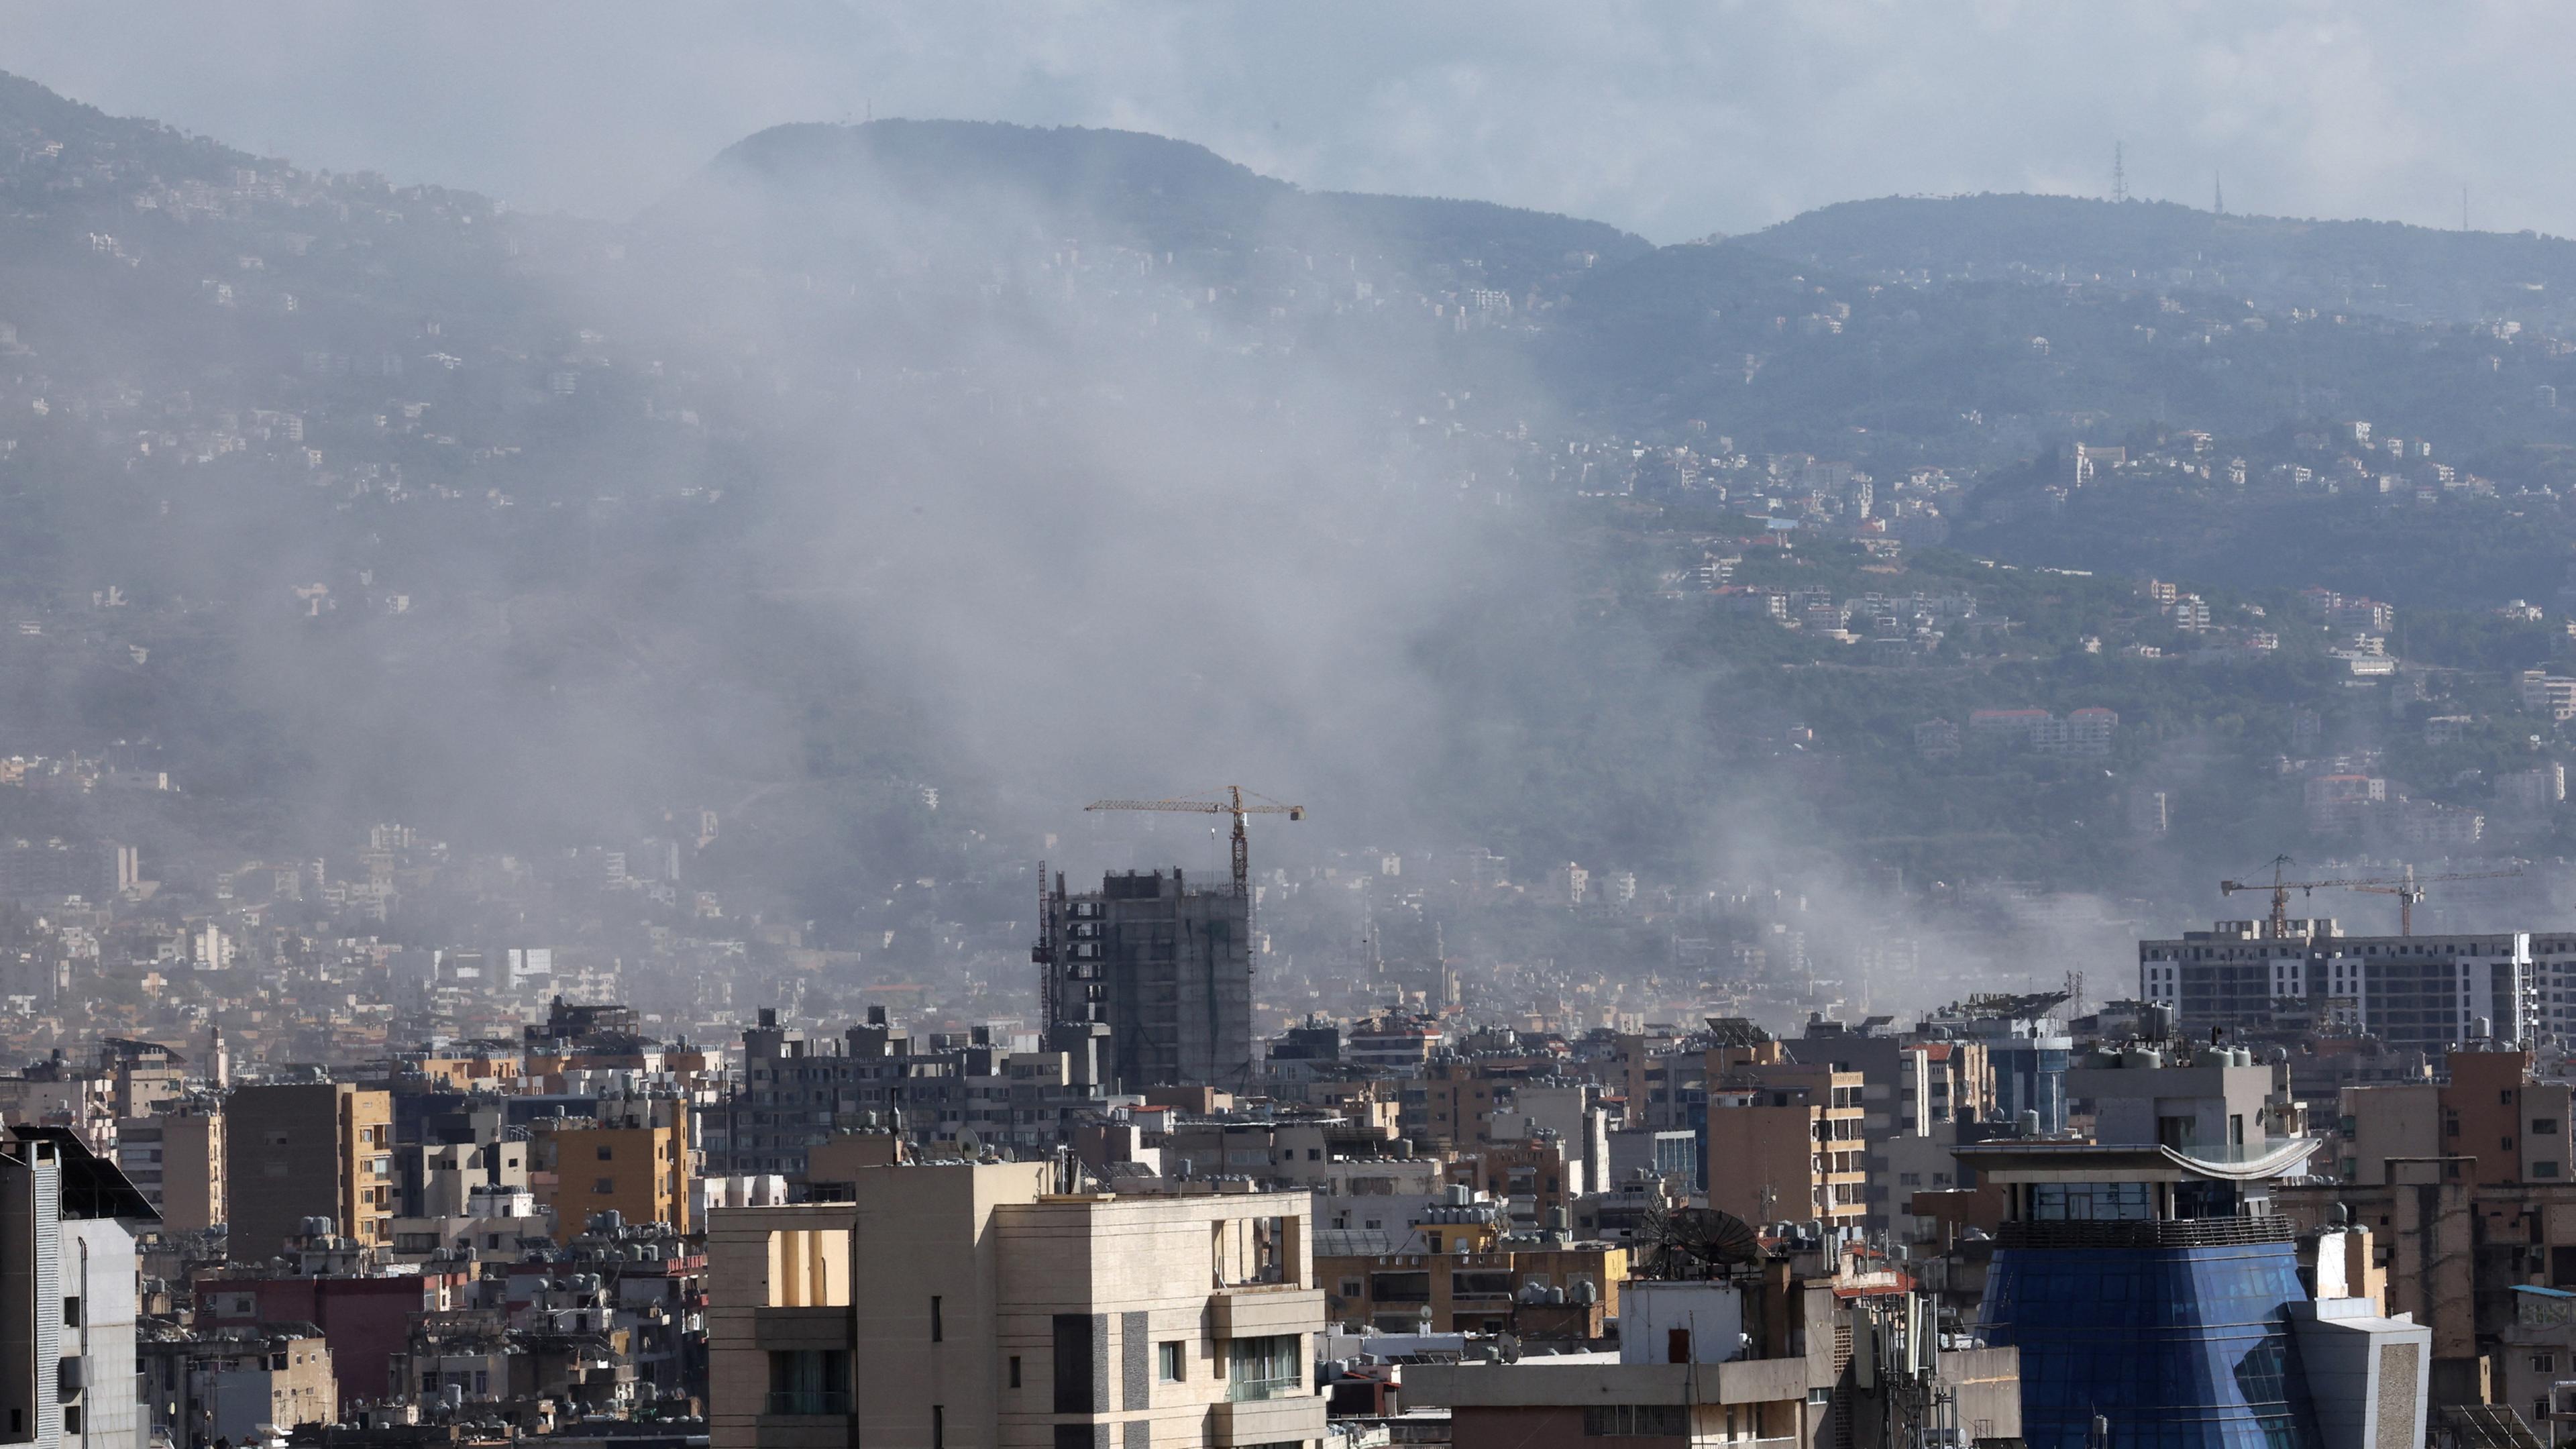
x: 2119, y: 172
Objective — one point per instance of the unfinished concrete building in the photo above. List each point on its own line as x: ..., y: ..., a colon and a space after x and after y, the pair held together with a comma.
x: 1166, y: 969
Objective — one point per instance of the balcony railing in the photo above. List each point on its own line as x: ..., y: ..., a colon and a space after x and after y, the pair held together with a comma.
x: 1249, y: 1391
x: 810, y: 1403
x: 2167, y: 1233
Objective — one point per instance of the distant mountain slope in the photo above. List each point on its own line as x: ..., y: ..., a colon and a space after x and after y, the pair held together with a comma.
x: 48, y: 138
x: 832, y: 183
x: 2370, y: 266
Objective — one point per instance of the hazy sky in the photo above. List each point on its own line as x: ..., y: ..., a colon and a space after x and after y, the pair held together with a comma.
x: 1672, y: 119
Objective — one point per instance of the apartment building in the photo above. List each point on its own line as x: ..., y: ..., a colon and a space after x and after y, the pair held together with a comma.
x: 2429, y: 993
x: 67, y: 1327
x: 1166, y: 968
x: 1470, y: 1283
x: 299, y: 1150
x: 634, y: 1159
x: 1785, y: 1143
x: 2218, y: 1100
x: 973, y: 1306
x: 2493, y: 1124
x: 1763, y: 1359
x: 231, y: 1384
x: 175, y: 1158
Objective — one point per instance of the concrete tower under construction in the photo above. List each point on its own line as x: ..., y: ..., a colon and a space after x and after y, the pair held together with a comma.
x: 1166, y: 970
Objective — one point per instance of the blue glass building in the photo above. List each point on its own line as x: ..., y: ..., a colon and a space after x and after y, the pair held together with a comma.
x: 2025, y: 1044
x: 2030, y: 1076
x: 2150, y: 1291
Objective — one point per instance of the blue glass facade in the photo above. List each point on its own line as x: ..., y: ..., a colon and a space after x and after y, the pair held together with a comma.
x: 2178, y: 1348
x: 2029, y: 1077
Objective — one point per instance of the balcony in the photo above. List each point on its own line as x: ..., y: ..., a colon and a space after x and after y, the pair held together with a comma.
x: 1261, y: 1311
x: 1262, y: 1391
x: 807, y: 1403
x: 1294, y: 1417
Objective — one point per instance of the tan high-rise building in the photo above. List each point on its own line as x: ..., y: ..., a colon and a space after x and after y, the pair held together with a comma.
x: 175, y: 1158
x: 300, y: 1150
x: 1785, y: 1144
x: 967, y: 1306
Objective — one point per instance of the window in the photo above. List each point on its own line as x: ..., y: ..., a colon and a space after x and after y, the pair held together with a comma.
x: 608, y: 1154
x: 71, y: 1418
x: 71, y: 1312
x: 809, y: 1381
x: 2544, y: 1363
x: 1263, y: 1368
x: 1400, y: 1287
x: 938, y: 1426
x: 1167, y: 1360
x: 2544, y: 1126
x: 2089, y: 1202
x: 1015, y: 1370
x: 938, y: 1324
x: 604, y: 1187
x: 1667, y: 1421
x: 1073, y: 1362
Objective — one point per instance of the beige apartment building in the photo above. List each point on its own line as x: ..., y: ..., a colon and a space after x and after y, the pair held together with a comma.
x: 971, y: 1306
x: 176, y: 1159
x: 1785, y: 1143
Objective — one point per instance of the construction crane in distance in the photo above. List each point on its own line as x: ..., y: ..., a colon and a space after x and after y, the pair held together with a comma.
x: 2410, y: 889
x: 1233, y: 805
x: 2281, y: 888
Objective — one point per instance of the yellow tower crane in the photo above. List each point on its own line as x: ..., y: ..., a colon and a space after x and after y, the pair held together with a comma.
x: 1233, y: 804
x: 2410, y: 889
x: 2281, y: 889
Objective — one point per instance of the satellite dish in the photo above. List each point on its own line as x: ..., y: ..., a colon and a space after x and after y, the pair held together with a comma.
x: 1697, y: 1239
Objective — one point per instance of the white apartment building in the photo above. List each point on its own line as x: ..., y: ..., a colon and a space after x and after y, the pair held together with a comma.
x: 2426, y: 992
x: 67, y: 1367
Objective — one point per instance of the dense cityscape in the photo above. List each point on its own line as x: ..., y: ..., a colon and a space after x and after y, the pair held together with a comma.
x: 1942, y: 824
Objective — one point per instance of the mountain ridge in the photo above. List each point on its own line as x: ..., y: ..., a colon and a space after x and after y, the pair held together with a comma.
x: 2388, y: 267
x: 1154, y: 192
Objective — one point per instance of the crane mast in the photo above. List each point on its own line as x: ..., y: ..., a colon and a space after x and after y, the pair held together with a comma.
x: 2410, y: 889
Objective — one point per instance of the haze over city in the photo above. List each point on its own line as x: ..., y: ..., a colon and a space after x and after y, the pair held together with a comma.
x: 1457, y: 726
